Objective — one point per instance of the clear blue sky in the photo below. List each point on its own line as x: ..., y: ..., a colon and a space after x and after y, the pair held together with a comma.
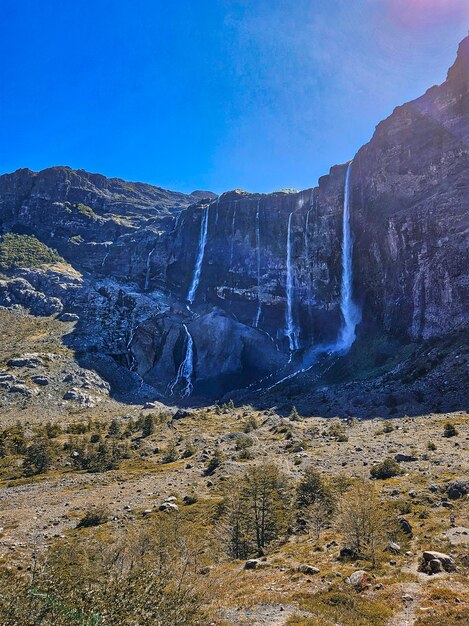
x: 212, y: 94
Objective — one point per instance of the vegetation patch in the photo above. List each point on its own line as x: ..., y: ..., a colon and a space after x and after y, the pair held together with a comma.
x: 25, y: 251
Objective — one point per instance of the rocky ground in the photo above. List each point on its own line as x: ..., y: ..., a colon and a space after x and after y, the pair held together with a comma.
x: 41, y: 382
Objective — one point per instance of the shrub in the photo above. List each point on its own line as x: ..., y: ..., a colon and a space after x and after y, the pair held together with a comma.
x: 250, y: 423
x: 431, y: 446
x: 214, y: 463
x: 449, y: 430
x: 38, y: 458
x: 171, y: 453
x: 25, y: 251
x: 94, y: 516
x: 387, y: 469
x: 114, y: 428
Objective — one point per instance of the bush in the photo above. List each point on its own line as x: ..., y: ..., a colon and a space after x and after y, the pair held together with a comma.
x: 25, y: 251
x: 214, y: 462
x: 250, y: 423
x: 449, y: 430
x: 38, y: 458
x: 387, y: 469
x: 94, y: 516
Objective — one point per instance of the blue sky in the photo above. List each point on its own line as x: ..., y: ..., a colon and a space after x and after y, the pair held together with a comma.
x: 212, y: 94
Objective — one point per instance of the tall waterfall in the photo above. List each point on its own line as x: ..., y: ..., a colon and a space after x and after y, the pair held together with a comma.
x: 350, y: 312
x: 200, y: 255
x: 308, y: 262
x: 290, y: 327
x: 233, y: 230
x: 147, y: 276
x: 258, y: 249
x: 186, y: 369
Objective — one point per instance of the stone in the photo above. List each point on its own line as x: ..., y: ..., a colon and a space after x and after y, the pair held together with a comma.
x: 405, y: 526
x: 446, y: 561
x: 69, y: 317
x: 40, y: 380
x: 251, y: 564
x: 405, y: 458
x: 347, y: 554
x: 436, y: 566
x: 168, y: 506
x: 393, y: 547
x: 26, y: 360
x: 308, y: 569
x: 457, y: 488
x: 359, y: 580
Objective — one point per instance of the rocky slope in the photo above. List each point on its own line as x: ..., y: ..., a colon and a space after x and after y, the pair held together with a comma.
x: 205, y: 294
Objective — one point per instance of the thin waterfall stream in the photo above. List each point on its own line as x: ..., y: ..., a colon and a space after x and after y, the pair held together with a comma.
x: 200, y: 255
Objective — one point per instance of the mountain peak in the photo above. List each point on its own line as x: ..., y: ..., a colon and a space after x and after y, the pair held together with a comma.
x: 460, y: 69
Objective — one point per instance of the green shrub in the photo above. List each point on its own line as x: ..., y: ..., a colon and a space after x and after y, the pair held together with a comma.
x: 85, y: 210
x: 25, y: 251
x: 38, y: 458
x: 387, y: 469
x: 449, y: 430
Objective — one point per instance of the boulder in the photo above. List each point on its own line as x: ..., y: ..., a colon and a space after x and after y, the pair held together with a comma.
x: 359, y: 580
x: 347, y: 554
x: 40, y: 380
x: 429, y: 566
x: 405, y: 526
x: 458, y: 488
x: 26, y: 360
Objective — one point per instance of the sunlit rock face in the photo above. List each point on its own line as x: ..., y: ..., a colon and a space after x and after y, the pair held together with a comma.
x: 411, y: 211
x: 138, y: 248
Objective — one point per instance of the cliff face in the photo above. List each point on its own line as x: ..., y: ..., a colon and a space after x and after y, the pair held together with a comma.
x: 411, y: 218
x: 269, y: 266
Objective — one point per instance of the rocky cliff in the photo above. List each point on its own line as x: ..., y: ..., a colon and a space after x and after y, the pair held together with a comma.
x: 207, y: 294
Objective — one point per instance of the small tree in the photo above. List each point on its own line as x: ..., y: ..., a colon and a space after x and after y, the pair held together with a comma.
x: 294, y: 415
x: 257, y: 510
x: 114, y: 428
x: 148, y: 425
x: 38, y: 458
x: 364, y: 520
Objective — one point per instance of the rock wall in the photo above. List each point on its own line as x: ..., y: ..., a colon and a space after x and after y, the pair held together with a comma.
x: 138, y: 245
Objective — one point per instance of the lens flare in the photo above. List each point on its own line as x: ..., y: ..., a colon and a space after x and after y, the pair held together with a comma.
x: 421, y: 13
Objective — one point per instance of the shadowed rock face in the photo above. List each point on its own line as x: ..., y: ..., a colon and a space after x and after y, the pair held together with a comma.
x: 138, y: 246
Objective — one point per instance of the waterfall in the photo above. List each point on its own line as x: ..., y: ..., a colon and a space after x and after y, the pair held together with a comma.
x: 200, y: 255
x: 307, y: 261
x: 258, y: 249
x: 107, y: 246
x: 350, y: 312
x: 147, y: 275
x: 186, y: 368
x: 290, y: 328
x: 233, y: 230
